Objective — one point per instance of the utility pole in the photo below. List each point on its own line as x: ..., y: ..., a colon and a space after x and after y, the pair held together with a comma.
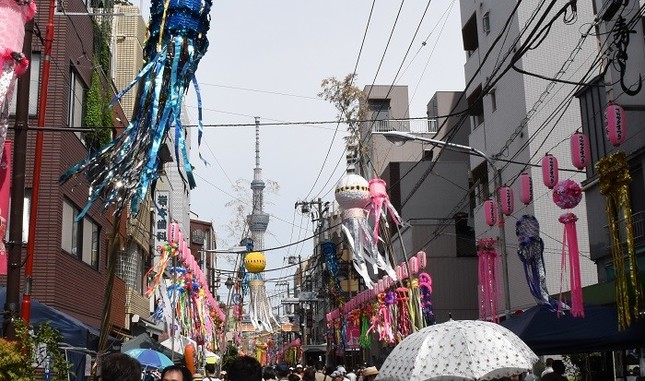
x: 320, y: 208
x: 18, y: 193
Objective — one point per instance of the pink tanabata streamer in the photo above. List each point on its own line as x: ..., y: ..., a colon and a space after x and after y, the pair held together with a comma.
x: 570, y: 240
x: 380, y: 204
x: 487, y: 279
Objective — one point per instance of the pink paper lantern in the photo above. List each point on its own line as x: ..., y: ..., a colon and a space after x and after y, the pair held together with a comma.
x: 507, y: 202
x: 173, y: 232
x: 404, y: 271
x: 490, y: 210
x: 526, y: 188
x: 549, y: 170
x: 414, y: 265
x: 397, y: 270
x: 387, y: 281
x: 421, y: 256
x: 381, y: 286
x: 616, y: 124
x: 579, y: 150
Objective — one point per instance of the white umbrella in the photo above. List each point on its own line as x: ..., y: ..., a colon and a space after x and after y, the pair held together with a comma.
x: 458, y: 350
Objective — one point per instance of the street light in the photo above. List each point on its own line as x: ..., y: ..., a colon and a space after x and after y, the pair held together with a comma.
x: 400, y: 138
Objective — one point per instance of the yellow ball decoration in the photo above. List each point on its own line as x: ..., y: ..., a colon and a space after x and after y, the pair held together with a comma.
x: 255, y: 262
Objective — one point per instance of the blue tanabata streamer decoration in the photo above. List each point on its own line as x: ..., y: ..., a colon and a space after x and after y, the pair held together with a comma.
x: 330, y: 256
x: 531, y: 252
x: 121, y: 172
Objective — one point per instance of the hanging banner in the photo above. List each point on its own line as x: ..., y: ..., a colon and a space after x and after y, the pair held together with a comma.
x: 5, y: 192
x: 162, y: 198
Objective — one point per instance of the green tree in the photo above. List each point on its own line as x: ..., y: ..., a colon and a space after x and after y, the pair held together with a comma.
x: 16, y: 358
x: 351, y: 104
x: 98, y: 114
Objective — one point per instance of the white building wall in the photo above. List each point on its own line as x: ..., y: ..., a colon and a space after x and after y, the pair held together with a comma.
x: 516, y: 96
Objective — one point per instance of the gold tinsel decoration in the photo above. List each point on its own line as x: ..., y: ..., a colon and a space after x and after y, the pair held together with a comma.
x: 614, y: 185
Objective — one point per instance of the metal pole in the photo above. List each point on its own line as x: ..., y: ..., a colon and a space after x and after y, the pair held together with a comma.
x: 38, y: 159
x: 14, y: 246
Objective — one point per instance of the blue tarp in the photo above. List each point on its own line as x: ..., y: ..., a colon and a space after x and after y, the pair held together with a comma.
x: 74, y: 332
x: 546, y: 333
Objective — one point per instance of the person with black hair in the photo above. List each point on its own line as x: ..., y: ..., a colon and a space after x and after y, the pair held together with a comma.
x: 120, y: 367
x: 282, y: 372
x: 558, y: 372
x: 268, y: 374
x: 176, y: 373
x: 211, y: 374
x: 244, y: 368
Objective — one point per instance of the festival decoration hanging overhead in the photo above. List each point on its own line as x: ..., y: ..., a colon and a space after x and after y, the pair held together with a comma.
x: 506, y: 200
x: 579, y: 143
x: 121, y: 172
x: 487, y: 287
x: 531, y: 253
x: 14, y: 14
x: 490, y: 212
x: 567, y: 194
x: 260, y: 313
x: 615, y: 179
x: 616, y: 124
x: 181, y: 291
x: 526, y: 188
x: 380, y: 205
x: 549, y: 170
x: 352, y: 194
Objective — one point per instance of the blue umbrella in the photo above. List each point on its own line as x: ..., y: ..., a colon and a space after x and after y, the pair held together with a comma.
x: 149, y: 358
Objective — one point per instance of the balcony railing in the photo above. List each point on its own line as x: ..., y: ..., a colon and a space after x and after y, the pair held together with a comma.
x: 638, y: 226
x: 413, y: 126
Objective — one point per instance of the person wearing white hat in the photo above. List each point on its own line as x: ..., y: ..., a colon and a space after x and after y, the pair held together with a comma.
x: 370, y: 373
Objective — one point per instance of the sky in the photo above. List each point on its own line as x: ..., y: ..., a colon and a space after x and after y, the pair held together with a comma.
x: 267, y: 59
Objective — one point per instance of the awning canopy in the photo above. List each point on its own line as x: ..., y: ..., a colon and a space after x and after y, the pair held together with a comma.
x: 547, y: 333
x: 73, y: 331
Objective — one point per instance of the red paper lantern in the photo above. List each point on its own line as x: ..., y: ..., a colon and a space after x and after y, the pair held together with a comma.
x: 579, y: 150
x: 507, y: 203
x: 616, y: 124
x: 173, y: 232
x: 549, y: 170
x: 526, y: 188
x: 490, y: 209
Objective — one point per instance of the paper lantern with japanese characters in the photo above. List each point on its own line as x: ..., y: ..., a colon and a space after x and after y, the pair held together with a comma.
x: 616, y: 124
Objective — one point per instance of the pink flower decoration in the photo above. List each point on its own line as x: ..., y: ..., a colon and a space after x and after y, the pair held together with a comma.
x: 567, y: 194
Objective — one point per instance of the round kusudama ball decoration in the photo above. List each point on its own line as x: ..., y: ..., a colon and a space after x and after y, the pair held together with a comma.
x: 255, y: 262
x: 352, y: 191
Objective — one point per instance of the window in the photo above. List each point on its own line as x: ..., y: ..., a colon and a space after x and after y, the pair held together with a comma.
x: 592, y: 105
x: 469, y: 35
x: 80, y: 238
x: 493, y: 99
x: 432, y: 125
x: 380, y: 112
x: 486, y: 22
x: 480, y: 180
x: 34, y: 74
x: 76, y: 101
x: 476, y: 107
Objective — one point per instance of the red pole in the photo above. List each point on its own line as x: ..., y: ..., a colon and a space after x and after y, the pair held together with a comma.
x: 25, y: 310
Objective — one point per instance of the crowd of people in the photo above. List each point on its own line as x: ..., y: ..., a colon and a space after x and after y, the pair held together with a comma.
x: 121, y: 367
